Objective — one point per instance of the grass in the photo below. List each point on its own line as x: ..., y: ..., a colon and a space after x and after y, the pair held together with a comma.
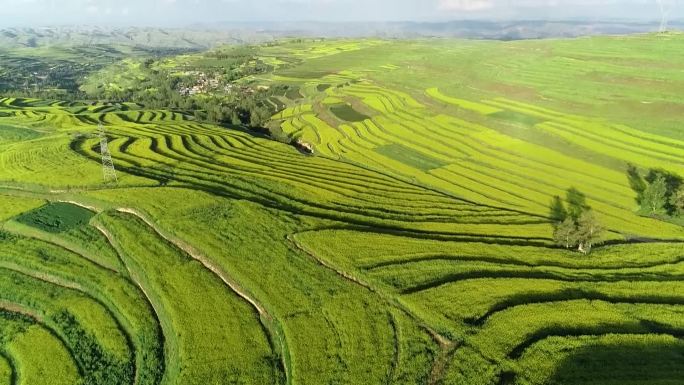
x: 410, y: 157
x: 14, y: 133
x: 57, y: 217
x: 326, y: 310
x: 347, y: 113
x: 11, y: 206
x: 609, y: 359
x: 413, y: 248
x: 517, y: 117
x: 175, y: 283
x: 124, y: 301
x: 84, y: 326
x: 5, y: 370
x: 50, y: 360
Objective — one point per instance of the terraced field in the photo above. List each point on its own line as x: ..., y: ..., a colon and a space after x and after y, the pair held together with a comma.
x: 413, y: 247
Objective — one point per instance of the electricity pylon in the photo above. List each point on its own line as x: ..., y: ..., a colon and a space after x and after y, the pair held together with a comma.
x: 108, y: 170
x: 665, y: 9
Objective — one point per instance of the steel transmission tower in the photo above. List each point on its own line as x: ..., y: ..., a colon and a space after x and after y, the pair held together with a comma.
x: 665, y: 9
x: 108, y: 170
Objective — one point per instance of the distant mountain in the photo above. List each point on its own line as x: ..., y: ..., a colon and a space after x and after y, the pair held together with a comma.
x: 209, y: 35
x: 499, y: 30
x: 141, y: 37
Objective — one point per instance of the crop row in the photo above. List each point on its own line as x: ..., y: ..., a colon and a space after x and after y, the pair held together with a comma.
x: 505, y: 302
x: 31, y: 352
x: 495, y: 162
x: 210, y: 334
x: 125, y: 305
x: 200, y: 159
x: 334, y: 330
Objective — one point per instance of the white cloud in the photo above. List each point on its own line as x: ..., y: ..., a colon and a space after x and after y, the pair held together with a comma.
x: 465, y: 5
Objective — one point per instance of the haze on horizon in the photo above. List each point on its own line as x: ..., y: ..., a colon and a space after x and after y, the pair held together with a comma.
x: 181, y: 13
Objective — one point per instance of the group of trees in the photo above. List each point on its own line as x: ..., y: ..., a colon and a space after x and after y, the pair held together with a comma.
x: 575, y: 224
x: 244, y: 105
x: 659, y: 192
x: 40, y: 77
x: 158, y: 89
x: 250, y: 107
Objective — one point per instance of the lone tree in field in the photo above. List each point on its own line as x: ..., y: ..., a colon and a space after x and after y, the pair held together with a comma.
x: 576, y: 226
x: 588, y: 232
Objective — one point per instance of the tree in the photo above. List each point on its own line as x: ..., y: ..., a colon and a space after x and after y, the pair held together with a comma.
x: 636, y: 182
x: 677, y: 201
x: 259, y: 116
x: 672, y: 180
x: 672, y: 183
x: 588, y: 232
x: 564, y: 233
x: 577, y: 225
x: 660, y: 192
x: 655, y: 196
x: 558, y: 213
x: 577, y: 203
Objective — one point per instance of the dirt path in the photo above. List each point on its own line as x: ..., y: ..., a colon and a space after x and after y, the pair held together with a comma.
x: 14, y: 308
x: 91, y: 208
x: 441, y: 362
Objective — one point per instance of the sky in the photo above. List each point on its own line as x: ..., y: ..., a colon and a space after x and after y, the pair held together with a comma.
x: 188, y: 12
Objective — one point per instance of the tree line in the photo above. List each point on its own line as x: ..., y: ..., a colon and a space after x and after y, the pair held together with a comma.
x: 659, y: 193
x: 244, y: 105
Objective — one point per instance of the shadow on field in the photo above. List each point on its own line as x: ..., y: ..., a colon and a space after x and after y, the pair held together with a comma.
x: 625, y: 363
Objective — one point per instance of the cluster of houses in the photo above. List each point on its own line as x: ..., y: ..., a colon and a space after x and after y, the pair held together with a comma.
x: 203, y: 84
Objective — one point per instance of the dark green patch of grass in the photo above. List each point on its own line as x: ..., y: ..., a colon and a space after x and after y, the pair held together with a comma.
x: 410, y: 157
x: 517, y: 117
x: 303, y: 74
x: 57, y: 217
x: 279, y: 105
x: 322, y: 87
x: 14, y: 134
x: 347, y: 113
x: 632, y: 362
x: 294, y: 94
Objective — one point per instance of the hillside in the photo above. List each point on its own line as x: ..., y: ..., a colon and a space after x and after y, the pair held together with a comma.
x: 414, y: 246
x: 198, y: 38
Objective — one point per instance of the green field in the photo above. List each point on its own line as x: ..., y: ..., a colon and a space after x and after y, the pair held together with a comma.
x: 413, y: 247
